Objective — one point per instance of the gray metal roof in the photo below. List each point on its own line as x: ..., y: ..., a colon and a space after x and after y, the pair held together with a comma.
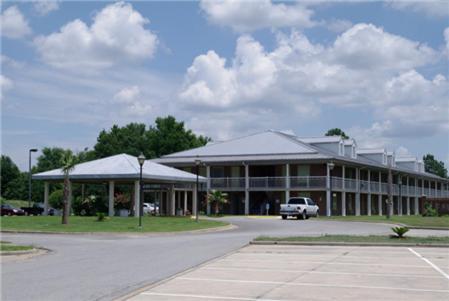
x: 121, y: 167
x: 264, y: 143
x: 275, y: 146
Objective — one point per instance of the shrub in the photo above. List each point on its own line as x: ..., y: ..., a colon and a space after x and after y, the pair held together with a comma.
x: 400, y: 231
x: 101, y: 217
x: 429, y: 210
x: 56, y: 199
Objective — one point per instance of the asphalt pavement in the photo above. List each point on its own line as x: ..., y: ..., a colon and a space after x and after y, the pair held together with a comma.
x: 108, y: 266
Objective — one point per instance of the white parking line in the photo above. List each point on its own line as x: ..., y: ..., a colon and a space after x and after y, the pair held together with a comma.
x: 313, y: 284
x: 430, y: 263
x: 209, y: 297
x: 337, y: 263
x: 318, y: 272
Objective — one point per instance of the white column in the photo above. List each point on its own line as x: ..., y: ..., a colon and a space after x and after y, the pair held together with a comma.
x: 357, y: 193
x: 287, y: 182
x: 328, y: 191
x: 194, y: 199
x: 173, y: 200
x: 408, y: 196
x: 379, y: 196
x: 368, y: 203
x: 111, y: 198
x: 416, y: 197
x: 46, y: 192
x: 343, y: 191
x: 246, y: 189
x: 136, y: 198
x: 185, y: 202
x: 208, y: 188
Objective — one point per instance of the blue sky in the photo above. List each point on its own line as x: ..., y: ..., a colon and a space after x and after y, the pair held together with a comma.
x: 378, y: 70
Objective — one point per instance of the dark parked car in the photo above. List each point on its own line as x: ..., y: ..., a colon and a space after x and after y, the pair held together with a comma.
x: 9, y: 210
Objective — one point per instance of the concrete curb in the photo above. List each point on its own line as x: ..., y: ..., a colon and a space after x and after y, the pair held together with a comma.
x: 393, y: 225
x: 25, y: 252
x: 356, y: 244
x: 199, y: 231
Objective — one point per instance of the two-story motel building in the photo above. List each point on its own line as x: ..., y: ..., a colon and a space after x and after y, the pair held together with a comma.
x: 271, y: 166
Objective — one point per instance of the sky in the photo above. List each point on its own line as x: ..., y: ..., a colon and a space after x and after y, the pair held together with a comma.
x: 378, y: 70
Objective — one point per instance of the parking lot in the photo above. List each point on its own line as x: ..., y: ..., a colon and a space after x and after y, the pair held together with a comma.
x: 275, y: 272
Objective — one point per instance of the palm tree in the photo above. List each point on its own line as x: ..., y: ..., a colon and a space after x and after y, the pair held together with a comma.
x: 217, y: 198
x: 68, y: 163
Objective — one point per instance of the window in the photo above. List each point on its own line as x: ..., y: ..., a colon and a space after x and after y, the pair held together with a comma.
x: 297, y: 202
x: 311, y: 202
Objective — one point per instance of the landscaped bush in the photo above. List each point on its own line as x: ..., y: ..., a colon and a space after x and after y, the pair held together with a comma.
x: 429, y: 210
x: 101, y: 217
x: 56, y: 199
x: 400, y: 231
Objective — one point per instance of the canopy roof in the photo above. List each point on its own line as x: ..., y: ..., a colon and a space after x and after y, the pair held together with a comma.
x: 121, y: 167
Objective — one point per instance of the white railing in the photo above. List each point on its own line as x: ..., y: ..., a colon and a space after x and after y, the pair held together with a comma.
x: 350, y: 184
x: 375, y: 187
x: 384, y: 188
x: 267, y: 182
x: 337, y: 183
x: 308, y: 182
x: 227, y: 183
x: 364, y: 186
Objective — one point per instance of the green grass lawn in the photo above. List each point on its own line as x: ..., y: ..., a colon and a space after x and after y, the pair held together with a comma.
x: 356, y: 239
x: 6, y: 246
x: 113, y: 224
x: 412, y: 220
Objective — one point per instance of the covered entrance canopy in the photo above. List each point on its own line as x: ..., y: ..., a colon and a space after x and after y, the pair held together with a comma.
x: 125, y: 169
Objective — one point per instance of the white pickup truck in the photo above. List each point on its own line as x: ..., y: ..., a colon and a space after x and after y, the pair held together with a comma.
x: 300, y: 207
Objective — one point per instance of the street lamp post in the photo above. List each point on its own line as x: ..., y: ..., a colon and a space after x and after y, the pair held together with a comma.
x: 141, y: 160
x: 331, y: 167
x: 197, y: 164
x: 33, y: 150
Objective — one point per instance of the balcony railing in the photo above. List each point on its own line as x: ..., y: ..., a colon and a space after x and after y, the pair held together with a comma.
x: 267, y: 182
x: 308, y: 182
x: 319, y: 182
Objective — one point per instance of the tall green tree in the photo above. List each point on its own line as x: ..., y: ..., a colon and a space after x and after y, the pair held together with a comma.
x: 68, y: 164
x: 51, y: 158
x: 9, y: 172
x: 434, y: 166
x: 337, y: 132
x: 170, y: 136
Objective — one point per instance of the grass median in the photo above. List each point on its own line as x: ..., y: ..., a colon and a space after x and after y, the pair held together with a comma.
x: 6, y: 246
x: 359, y: 239
x: 408, y: 220
x: 110, y: 224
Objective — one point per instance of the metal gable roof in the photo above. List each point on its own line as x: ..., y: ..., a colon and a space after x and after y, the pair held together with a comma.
x: 264, y: 143
x: 120, y: 166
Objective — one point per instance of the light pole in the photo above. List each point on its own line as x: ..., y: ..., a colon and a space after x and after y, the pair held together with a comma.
x: 331, y: 166
x: 33, y: 150
x: 141, y: 160
x: 197, y: 164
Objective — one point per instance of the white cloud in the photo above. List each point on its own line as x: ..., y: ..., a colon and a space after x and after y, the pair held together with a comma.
x: 131, y: 98
x: 5, y: 85
x: 446, y: 39
x: 116, y: 35
x: 44, y: 7
x: 431, y: 8
x: 246, y: 16
x: 365, y: 67
x: 338, y: 25
x: 13, y: 23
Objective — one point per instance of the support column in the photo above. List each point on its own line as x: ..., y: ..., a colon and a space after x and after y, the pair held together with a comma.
x: 287, y: 182
x: 343, y: 191
x: 172, y: 200
x: 46, y: 192
x: 357, y: 193
x: 416, y: 197
x: 379, y: 196
x: 368, y: 203
x: 194, y: 199
x: 185, y: 202
x: 208, y: 188
x: 246, y: 189
x: 136, y: 198
x: 328, y: 191
x: 111, y: 199
x: 408, y: 196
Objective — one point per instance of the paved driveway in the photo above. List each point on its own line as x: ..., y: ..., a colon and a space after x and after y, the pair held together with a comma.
x: 283, y: 273
x: 103, y: 267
